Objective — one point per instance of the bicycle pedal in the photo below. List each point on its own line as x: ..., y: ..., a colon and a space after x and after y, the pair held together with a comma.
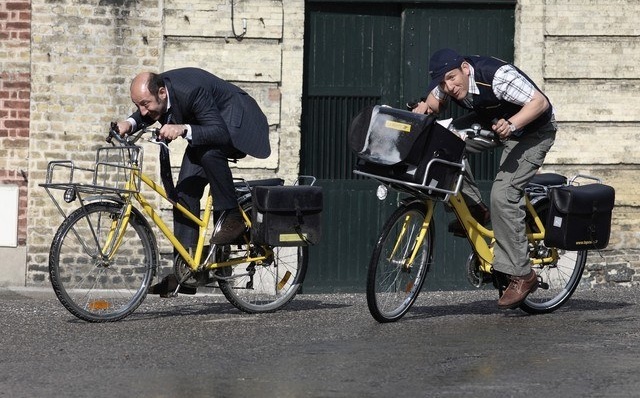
x: 187, y: 290
x: 169, y: 287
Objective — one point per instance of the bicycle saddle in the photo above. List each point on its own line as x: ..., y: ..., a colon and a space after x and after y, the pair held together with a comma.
x: 547, y: 179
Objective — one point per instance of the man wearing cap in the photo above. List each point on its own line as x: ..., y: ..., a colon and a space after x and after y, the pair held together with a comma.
x: 507, y: 100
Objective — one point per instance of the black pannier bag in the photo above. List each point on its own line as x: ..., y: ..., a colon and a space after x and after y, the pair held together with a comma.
x: 286, y: 215
x: 580, y: 217
x: 399, y: 144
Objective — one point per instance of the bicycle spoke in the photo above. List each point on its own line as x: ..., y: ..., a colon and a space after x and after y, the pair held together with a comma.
x: 263, y: 286
x: 559, y: 279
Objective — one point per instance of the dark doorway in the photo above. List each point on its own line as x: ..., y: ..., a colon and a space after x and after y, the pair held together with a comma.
x: 357, y: 54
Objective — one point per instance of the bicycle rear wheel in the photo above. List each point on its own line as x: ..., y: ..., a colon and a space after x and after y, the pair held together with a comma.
x: 559, y: 279
x: 261, y: 286
x: 96, y: 286
x: 393, y: 284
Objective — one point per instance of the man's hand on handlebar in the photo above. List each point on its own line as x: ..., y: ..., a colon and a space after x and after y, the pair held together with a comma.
x: 123, y: 133
x: 420, y: 107
x: 502, y: 128
x: 123, y: 128
x: 170, y: 132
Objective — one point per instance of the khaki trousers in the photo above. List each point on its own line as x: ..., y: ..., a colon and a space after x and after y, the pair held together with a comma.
x: 521, y: 158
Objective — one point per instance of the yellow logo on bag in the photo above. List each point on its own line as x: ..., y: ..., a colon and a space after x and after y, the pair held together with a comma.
x: 292, y: 237
x: 397, y: 126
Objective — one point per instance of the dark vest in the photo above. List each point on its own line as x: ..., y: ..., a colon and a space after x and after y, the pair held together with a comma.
x: 487, y: 105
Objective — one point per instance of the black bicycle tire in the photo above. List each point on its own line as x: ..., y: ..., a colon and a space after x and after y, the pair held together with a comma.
x: 372, y: 299
x: 147, y: 238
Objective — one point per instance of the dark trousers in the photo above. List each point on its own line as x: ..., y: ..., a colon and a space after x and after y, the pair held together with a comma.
x: 201, y: 166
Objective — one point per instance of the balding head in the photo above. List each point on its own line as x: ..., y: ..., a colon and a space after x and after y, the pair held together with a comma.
x: 140, y: 84
x: 149, y: 94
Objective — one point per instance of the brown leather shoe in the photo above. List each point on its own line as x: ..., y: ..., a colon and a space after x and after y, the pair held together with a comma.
x: 518, y: 289
x: 479, y: 211
x: 231, y: 229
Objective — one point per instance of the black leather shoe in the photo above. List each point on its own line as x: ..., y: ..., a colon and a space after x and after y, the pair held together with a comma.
x: 231, y: 229
x: 480, y: 212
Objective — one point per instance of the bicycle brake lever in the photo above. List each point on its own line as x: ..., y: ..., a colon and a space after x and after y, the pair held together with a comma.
x: 154, y: 137
x: 158, y: 142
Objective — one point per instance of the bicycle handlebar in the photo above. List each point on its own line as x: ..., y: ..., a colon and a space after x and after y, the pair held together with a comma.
x: 132, y: 138
x: 483, y: 133
x: 114, y: 132
x: 476, y: 131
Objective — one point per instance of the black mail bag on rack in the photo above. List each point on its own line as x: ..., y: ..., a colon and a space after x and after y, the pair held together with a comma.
x: 580, y: 217
x: 400, y: 145
x: 286, y: 215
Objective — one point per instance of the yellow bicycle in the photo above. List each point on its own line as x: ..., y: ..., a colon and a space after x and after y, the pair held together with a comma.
x: 403, y: 253
x: 104, y: 256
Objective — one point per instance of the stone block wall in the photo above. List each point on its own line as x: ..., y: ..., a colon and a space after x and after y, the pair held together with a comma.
x: 583, y: 53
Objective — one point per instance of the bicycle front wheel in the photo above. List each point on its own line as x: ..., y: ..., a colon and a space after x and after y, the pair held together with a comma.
x: 261, y: 286
x: 559, y: 279
x: 96, y: 276
x: 398, y: 268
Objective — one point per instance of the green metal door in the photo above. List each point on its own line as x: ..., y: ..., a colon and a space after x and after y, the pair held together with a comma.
x: 357, y: 54
x: 352, y: 59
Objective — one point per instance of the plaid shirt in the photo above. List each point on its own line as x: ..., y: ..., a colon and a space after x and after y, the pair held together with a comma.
x: 508, y: 85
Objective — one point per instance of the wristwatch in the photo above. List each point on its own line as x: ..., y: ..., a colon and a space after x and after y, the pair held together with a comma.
x: 512, y: 127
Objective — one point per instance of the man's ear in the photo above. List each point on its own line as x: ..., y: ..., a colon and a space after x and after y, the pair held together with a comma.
x: 162, y: 93
x: 465, y: 68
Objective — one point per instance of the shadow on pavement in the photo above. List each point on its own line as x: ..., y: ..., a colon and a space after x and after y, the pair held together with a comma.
x: 186, y: 308
x: 486, y: 307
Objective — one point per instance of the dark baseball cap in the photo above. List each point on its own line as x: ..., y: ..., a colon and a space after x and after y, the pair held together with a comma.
x: 441, y: 62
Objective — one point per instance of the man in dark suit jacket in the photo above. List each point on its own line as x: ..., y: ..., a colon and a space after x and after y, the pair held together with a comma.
x: 219, y: 120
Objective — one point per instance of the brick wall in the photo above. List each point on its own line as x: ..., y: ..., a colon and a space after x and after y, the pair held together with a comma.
x: 84, y: 54
x: 15, y: 35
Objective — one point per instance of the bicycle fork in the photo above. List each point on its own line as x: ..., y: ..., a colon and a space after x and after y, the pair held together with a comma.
x: 116, y: 233
x: 415, y: 247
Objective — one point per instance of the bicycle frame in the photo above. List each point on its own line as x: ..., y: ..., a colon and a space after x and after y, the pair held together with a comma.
x: 480, y: 237
x: 193, y: 261
x: 130, y: 190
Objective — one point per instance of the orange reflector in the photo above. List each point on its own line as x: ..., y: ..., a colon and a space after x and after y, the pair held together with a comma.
x: 409, y: 287
x: 284, y: 280
x: 97, y: 305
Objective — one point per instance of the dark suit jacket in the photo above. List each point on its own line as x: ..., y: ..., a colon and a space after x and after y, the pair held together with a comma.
x: 215, y: 109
